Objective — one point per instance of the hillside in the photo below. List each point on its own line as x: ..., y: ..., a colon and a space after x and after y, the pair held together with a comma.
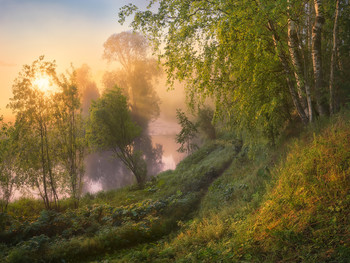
x: 255, y: 94
x: 287, y: 204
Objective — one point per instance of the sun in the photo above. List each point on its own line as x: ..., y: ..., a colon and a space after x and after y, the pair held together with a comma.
x: 42, y: 83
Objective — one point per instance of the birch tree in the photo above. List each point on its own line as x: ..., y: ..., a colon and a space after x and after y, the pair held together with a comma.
x: 70, y: 131
x: 332, y: 91
x: 261, y: 61
x: 33, y: 110
x: 317, y: 57
x: 8, y: 163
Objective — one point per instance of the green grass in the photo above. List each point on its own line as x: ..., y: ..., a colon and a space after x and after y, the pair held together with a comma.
x: 292, y: 206
x: 229, y: 201
x: 108, y: 221
x: 308, y: 209
x: 288, y: 204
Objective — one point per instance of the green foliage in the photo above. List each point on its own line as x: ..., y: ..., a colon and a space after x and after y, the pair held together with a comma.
x: 136, y: 77
x: 5, y: 221
x: 258, y: 211
x: 70, y: 132
x: 187, y: 134
x: 25, y: 208
x: 307, y: 208
x: 49, y: 132
x: 190, y: 132
x: 111, y: 117
x: 138, y: 70
x: 205, y: 122
x: 223, y: 51
x: 217, y: 206
x: 115, y: 219
x: 33, y: 110
x: 110, y: 127
x: 229, y: 200
x: 241, y: 56
x: 8, y: 163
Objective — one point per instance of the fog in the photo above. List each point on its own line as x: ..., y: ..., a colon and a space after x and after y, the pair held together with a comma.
x: 104, y: 172
x: 152, y: 106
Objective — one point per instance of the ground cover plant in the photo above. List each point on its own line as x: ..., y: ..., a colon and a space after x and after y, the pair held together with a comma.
x: 113, y: 220
x: 289, y: 204
x: 292, y: 208
x: 262, y: 108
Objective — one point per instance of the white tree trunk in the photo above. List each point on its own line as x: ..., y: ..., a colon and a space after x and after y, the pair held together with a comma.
x: 317, y: 58
x: 332, y: 91
x: 287, y: 70
x: 299, y: 72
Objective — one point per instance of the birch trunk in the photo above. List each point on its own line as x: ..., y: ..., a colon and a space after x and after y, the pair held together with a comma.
x: 43, y: 163
x: 317, y: 58
x: 287, y: 70
x: 293, y: 44
x: 332, y: 91
x: 306, y: 57
x: 299, y: 69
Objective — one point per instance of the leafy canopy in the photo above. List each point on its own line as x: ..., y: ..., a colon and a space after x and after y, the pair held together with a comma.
x: 221, y: 50
x: 111, y: 128
x: 110, y: 125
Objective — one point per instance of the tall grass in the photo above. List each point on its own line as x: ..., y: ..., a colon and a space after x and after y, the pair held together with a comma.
x: 289, y: 204
x: 290, y: 207
x: 308, y: 210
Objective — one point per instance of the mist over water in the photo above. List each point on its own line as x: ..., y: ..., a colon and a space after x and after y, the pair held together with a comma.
x: 163, y: 132
x: 152, y: 107
x: 104, y: 172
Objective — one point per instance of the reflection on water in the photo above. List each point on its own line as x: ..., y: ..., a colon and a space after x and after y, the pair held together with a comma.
x: 94, y: 186
x: 170, y: 156
x: 164, y: 132
x: 168, y: 163
x: 161, y: 132
x: 170, y: 159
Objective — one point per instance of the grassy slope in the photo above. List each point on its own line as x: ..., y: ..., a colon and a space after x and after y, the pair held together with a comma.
x: 298, y: 212
x: 112, y: 220
x: 292, y: 205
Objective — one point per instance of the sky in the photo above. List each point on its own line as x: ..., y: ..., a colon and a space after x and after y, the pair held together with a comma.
x: 68, y: 31
x: 73, y: 32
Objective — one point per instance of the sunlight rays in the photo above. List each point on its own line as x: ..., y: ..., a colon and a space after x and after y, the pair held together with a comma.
x: 44, y: 84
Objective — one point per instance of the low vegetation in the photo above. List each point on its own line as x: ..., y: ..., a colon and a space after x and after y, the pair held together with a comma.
x: 112, y: 220
x: 270, y: 183
x: 290, y: 205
